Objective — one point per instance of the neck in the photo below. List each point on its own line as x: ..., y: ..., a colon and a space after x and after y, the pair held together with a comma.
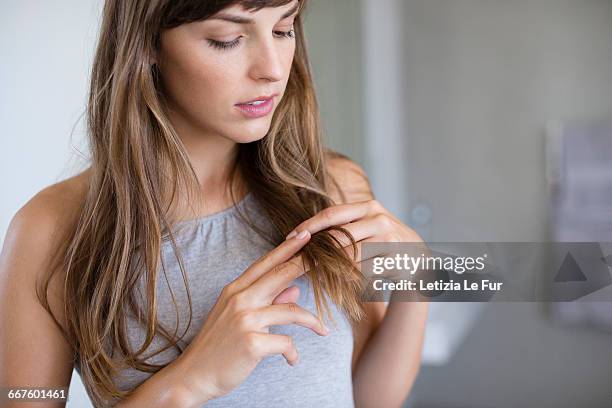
x: 212, y: 157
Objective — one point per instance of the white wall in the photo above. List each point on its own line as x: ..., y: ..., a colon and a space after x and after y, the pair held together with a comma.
x: 45, y: 53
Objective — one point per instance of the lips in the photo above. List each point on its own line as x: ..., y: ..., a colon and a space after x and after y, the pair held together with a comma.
x: 258, y: 110
x: 257, y: 100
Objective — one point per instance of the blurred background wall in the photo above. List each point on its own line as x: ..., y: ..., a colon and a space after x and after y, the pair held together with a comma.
x: 444, y: 102
x: 482, y: 79
x: 45, y: 55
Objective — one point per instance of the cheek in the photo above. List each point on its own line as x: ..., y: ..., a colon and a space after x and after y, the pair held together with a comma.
x: 288, y: 56
x: 201, y: 83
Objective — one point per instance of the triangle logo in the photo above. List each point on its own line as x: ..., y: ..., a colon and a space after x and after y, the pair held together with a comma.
x: 570, y: 271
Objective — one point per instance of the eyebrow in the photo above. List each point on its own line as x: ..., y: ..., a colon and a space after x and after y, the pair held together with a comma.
x: 244, y: 20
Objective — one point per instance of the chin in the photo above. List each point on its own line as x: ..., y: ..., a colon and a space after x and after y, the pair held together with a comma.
x: 251, y: 133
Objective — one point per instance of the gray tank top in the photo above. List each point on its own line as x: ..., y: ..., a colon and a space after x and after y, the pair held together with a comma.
x: 215, y: 250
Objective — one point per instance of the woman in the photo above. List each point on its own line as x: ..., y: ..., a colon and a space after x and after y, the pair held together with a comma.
x: 187, y: 263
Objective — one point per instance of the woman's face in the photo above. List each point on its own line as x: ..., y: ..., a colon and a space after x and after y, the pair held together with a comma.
x: 210, y: 68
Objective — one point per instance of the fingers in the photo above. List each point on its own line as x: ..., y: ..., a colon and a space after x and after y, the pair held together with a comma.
x: 373, y: 229
x: 336, y: 215
x: 377, y: 229
x: 359, y: 255
x: 289, y: 295
x: 274, y: 258
x: 360, y: 230
x: 290, y: 313
x: 272, y: 283
x: 265, y: 344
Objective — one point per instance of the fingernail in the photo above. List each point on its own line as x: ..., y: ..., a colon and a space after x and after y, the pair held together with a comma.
x: 325, y: 330
x: 302, y: 234
x: 291, y: 235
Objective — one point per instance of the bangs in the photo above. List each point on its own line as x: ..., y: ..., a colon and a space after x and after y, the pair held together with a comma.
x: 177, y: 12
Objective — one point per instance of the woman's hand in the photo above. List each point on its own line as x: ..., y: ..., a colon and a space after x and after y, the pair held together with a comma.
x: 392, y: 336
x: 367, y: 221
x: 235, y: 336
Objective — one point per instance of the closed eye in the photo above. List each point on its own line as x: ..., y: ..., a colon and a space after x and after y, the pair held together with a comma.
x: 287, y: 34
x: 225, y: 45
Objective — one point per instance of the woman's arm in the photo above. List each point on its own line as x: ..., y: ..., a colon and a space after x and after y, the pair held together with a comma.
x: 33, y: 352
x: 165, y: 388
x: 388, y: 342
x: 391, y: 358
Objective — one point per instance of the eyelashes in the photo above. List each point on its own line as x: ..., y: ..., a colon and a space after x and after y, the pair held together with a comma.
x: 222, y: 45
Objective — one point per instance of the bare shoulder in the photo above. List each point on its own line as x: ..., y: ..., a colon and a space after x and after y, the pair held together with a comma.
x: 38, y: 227
x: 49, y: 211
x: 29, y: 247
x: 349, y: 182
x: 61, y: 197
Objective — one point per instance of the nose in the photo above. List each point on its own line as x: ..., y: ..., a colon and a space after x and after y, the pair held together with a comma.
x: 267, y: 61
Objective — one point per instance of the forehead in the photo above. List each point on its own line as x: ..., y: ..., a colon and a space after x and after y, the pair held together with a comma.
x: 239, y: 15
x: 250, y: 8
x: 178, y: 12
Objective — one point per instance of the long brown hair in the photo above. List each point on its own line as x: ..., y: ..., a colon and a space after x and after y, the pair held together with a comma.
x: 139, y: 168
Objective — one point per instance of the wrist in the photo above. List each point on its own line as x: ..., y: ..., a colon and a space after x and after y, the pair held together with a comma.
x: 183, y: 396
x: 185, y: 391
